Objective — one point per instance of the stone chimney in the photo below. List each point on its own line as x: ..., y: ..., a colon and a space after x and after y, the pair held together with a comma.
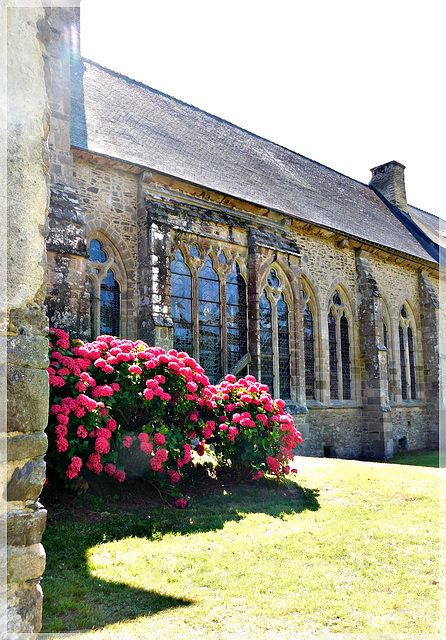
x: 388, y: 180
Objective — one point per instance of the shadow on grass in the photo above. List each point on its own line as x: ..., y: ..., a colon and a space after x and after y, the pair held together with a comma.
x: 75, y: 600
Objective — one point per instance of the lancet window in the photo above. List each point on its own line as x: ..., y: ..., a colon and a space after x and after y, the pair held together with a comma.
x: 274, y: 338
x: 105, y: 291
x: 407, y: 356
x: 309, y: 347
x: 339, y: 350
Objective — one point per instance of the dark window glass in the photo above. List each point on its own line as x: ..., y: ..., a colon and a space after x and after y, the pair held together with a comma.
x: 273, y: 280
x: 90, y: 286
x: 110, y: 305
x: 403, y: 312
x: 95, y: 252
x: 236, y: 317
x: 413, y: 391
x: 309, y: 352
x: 385, y: 336
x: 403, y: 364
x: 181, y: 283
x: 337, y: 299
x: 345, y: 359
x: 266, y: 342
x: 333, y: 354
x: 284, y: 348
x: 209, y: 321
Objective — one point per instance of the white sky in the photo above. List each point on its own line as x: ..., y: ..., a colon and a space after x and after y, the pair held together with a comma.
x: 349, y: 83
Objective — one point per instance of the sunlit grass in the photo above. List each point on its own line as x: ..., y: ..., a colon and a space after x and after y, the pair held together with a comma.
x: 417, y: 458
x: 349, y: 547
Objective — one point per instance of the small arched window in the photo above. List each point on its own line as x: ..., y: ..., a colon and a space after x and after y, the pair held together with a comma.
x: 407, y: 356
x: 339, y: 350
x: 105, y: 292
x: 275, y: 338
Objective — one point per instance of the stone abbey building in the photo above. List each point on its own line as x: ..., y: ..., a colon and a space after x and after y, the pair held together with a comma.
x: 171, y: 225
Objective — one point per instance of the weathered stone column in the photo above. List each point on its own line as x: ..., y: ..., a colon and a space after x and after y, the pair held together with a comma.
x: 255, y: 261
x: 26, y: 326
x: 68, y: 298
x: 429, y: 307
x: 155, y: 324
x: 377, y: 440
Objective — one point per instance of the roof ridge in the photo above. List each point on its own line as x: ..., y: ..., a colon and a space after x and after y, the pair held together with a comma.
x: 231, y: 124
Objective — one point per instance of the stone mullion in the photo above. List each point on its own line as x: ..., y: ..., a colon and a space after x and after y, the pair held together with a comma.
x: 223, y: 326
x: 275, y: 340
x: 195, y: 315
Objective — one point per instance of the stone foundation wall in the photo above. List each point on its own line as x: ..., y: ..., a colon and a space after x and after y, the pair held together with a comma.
x: 27, y: 346
x: 339, y: 429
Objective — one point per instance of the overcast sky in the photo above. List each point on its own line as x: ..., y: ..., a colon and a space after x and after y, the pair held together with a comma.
x: 351, y: 84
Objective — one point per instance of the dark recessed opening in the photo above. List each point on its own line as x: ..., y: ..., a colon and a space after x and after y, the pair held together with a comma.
x: 327, y: 452
x: 402, y: 444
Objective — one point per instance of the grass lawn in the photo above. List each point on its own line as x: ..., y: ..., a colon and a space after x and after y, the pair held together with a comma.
x: 417, y: 458
x: 348, y: 547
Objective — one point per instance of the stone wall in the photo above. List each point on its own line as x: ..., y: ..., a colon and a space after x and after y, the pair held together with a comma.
x: 108, y: 198
x: 67, y: 299
x: 27, y: 325
x: 147, y: 216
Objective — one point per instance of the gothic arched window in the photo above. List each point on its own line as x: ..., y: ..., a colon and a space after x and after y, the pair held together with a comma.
x: 339, y: 350
x: 209, y: 310
x: 181, y: 282
x: 275, y: 338
x: 309, y: 351
x: 105, y: 291
x: 407, y: 356
x: 209, y: 326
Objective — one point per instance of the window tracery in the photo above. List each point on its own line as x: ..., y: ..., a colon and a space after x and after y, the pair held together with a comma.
x: 339, y: 349
x: 209, y: 308
x: 407, y: 355
x: 275, y: 338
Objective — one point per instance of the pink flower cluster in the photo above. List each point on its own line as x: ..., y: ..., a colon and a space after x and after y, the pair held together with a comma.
x: 246, y: 411
x: 181, y: 412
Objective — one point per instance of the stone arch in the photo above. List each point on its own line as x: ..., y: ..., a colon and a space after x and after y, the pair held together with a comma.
x: 97, y: 273
x: 311, y: 300
x: 410, y: 353
x: 347, y: 311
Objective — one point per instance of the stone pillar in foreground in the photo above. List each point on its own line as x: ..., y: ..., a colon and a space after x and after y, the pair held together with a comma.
x: 24, y: 321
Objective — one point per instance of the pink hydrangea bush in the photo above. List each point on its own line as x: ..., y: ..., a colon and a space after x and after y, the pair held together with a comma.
x: 120, y: 406
x: 250, y: 433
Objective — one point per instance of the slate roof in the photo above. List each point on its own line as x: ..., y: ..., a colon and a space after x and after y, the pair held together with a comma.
x: 121, y: 118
